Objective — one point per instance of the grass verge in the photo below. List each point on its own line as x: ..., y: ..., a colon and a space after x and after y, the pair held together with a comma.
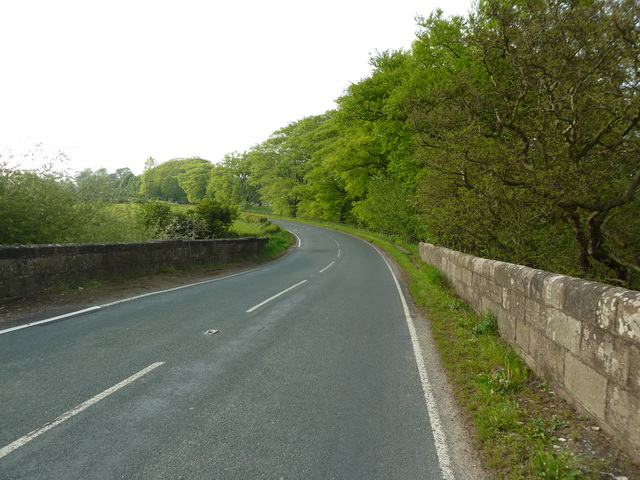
x: 280, y: 240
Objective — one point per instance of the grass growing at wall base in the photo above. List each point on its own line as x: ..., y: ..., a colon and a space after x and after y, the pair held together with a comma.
x: 522, y: 430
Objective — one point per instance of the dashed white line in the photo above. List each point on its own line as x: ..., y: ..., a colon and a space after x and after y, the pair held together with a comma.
x: 275, y: 296
x: 325, y: 268
x: 83, y: 406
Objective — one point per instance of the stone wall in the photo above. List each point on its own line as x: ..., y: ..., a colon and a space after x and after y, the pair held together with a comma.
x: 583, y: 337
x: 29, y: 269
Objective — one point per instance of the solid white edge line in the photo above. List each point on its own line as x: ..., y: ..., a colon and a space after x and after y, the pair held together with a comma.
x: 174, y: 288
x: 438, y: 432
x: 49, y: 320
x: 90, y: 309
x: 275, y: 296
x: 298, y: 241
x: 66, y: 416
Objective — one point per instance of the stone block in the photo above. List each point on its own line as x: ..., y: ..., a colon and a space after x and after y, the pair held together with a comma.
x: 553, y: 290
x: 466, y: 276
x: 623, y: 415
x: 506, y: 274
x: 564, y: 330
x: 587, y: 386
x: 607, y: 308
x: 581, y: 299
x: 548, y: 355
x: 605, y: 352
x: 535, y: 314
x: 536, y: 285
x: 506, y: 325
x: 8, y: 268
x: 628, y: 316
x: 493, y: 294
x: 523, y: 331
x: 488, y: 268
x: 633, y: 380
x: 523, y: 280
x: 477, y: 266
x: 514, y: 303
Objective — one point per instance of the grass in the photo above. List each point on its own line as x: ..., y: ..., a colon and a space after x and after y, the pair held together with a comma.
x: 521, y: 429
x: 280, y: 240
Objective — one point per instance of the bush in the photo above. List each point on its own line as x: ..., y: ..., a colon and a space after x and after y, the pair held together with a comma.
x: 185, y: 226
x: 154, y: 214
x: 217, y: 216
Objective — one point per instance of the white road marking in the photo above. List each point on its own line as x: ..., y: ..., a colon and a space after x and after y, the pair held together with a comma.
x: 83, y: 406
x: 90, y: 309
x: 298, y: 241
x: 175, y: 288
x: 275, y: 296
x: 325, y: 268
x: 48, y: 320
x: 438, y: 432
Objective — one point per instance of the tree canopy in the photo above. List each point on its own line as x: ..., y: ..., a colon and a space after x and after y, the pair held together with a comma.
x: 511, y: 133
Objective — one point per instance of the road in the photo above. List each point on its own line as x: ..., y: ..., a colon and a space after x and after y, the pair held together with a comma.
x: 300, y: 369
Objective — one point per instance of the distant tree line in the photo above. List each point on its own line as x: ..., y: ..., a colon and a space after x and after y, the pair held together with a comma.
x: 511, y: 133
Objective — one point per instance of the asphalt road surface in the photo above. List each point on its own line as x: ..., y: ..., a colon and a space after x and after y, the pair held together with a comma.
x: 304, y: 368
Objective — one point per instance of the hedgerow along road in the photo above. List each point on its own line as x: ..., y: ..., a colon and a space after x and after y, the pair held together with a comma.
x: 307, y: 367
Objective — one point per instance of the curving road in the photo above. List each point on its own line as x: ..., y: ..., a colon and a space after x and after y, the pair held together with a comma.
x: 301, y: 369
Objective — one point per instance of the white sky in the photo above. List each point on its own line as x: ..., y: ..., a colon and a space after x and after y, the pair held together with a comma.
x: 111, y: 83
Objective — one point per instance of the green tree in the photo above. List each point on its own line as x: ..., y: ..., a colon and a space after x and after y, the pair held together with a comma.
x: 279, y: 166
x: 168, y: 180
x: 194, y: 177
x: 526, y: 120
x: 375, y: 141
x: 565, y: 104
x: 150, y: 180
x: 230, y: 181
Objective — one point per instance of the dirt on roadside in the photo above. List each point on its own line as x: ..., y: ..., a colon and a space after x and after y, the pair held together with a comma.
x: 55, y: 302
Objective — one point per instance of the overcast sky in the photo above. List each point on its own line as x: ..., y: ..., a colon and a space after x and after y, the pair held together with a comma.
x: 111, y: 83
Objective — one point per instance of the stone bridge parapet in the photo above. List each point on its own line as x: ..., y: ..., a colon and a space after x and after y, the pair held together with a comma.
x: 29, y: 269
x: 582, y: 336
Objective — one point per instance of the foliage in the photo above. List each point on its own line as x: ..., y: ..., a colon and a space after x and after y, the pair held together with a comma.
x: 153, y: 214
x: 280, y: 164
x: 38, y: 207
x: 231, y: 182
x: 217, y: 217
x: 178, y: 180
x: 185, y: 226
x: 45, y: 206
x: 554, y: 466
x: 510, y: 134
x: 122, y: 185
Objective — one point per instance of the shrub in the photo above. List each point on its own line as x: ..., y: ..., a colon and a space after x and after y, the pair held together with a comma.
x: 185, y: 226
x: 217, y: 216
